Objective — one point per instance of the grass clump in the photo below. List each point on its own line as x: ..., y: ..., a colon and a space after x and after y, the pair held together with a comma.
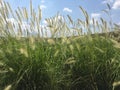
x: 95, y: 63
x: 25, y: 67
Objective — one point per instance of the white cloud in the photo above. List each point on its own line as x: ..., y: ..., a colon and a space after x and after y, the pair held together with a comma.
x: 118, y: 23
x: 44, y: 22
x: 67, y: 10
x: 60, y: 17
x: 107, y: 1
x: 116, y: 4
x: 95, y: 15
x: 11, y: 20
x: 42, y: 1
x: 43, y: 6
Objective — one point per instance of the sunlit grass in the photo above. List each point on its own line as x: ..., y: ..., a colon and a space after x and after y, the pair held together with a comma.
x: 78, y: 55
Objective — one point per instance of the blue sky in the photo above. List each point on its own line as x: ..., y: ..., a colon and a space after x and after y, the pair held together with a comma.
x: 71, y: 7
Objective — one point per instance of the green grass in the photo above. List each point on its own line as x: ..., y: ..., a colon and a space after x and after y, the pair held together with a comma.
x: 83, y: 62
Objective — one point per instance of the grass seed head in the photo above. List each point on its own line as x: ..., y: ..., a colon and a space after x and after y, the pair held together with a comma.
x: 51, y: 41
x: 8, y: 87
x: 56, y: 53
x: 32, y: 40
x: 70, y: 60
x: 24, y: 51
x: 116, y: 84
x: 116, y: 44
x: 71, y: 48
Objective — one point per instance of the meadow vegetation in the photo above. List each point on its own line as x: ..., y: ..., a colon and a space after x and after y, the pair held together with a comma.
x: 75, y: 57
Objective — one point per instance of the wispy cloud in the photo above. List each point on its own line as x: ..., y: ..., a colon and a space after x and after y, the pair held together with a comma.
x: 67, y: 10
x: 107, y: 1
x: 43, y: 6
x: 116, y: 4
x: 42, y: 1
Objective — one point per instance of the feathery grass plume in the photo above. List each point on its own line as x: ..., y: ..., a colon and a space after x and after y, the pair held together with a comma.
x: 23, y: 51
x: 8, y: 87
x: 116, y: 84
x: 85, y: 14
x: 33, y: 20
x: 106, y: 26
x: 80, y: 22
x: 65, y: 40
x: 39, y: 14
x: 79, y: 25
x: 31, y: 8
x: 99, y: 49
x: 103, y: 26
x: 19, y: 19
x: 70, y: 60
x: 71, y: 48
x: 51, y: 41
x: 108, y: 12
x: 34, y: 16
x: 116, y: 44
x: 32, y: 25
x: 38, y: 28
x: 83, y: 11
x: 6, y: 9
x: 116, y: 27
x: 20, y: 32
x: 98, y: 26
x: 2, y: 10
x: 10, y: 10
x: 11, y: 69
x: 25, y: 14
x: 78, y: 46
x: 3, y: 14
x: 32, y: 40
x: 52, y: 25
x: 56, y: 53
x: 109, y: 7
x: 70, y: 19
x: 11, y: 28
x: 20, y: 13
x: 68, y: 41
x: 87, y: 20
x: 94, y: 25
x: 42, y: 32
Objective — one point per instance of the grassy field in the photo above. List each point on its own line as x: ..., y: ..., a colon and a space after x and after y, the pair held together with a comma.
x: 82, y: 61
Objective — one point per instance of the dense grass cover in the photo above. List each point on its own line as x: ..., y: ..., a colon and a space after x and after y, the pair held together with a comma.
x: 74, y: 63
x: 82, y: 62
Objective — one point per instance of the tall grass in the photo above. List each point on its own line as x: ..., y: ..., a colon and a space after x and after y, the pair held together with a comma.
x: 71, y: 59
